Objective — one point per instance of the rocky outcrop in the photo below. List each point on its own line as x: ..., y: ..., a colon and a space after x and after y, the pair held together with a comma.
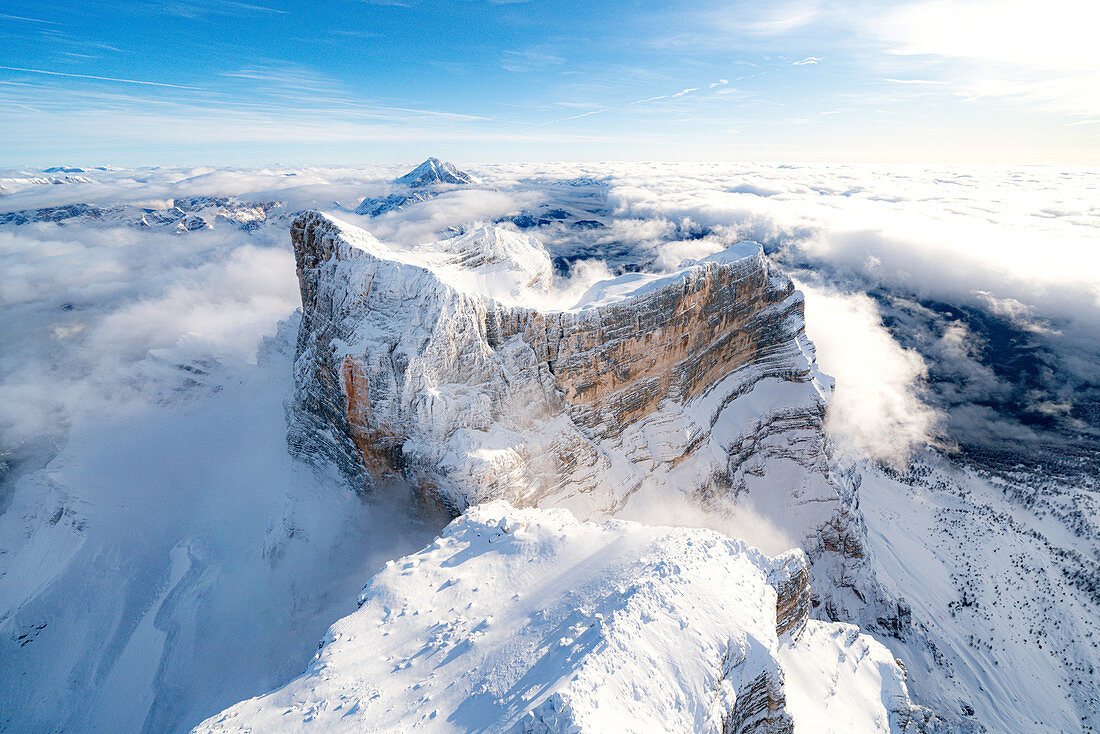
x: 791, y: 581
x: 760, y: 708
x: 433, y: 366
x: 530, y: 621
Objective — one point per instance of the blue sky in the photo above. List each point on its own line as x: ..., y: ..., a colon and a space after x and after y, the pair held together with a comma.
x: 348, y: 82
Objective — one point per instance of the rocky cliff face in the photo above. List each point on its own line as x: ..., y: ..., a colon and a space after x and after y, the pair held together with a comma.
x: 431, y: 365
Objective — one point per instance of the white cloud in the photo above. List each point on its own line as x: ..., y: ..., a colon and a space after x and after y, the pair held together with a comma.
x: 96, y: 78
x: 1018, y: 244
x: 1056, y: 35
x: 875, y: 409
x: 1042, y: 54
x: 807, y: 61
x: 929, y: 82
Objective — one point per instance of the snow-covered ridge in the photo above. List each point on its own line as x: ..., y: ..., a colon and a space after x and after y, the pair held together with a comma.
x: 530, y: 621
x: 633, y: 285
x: 508, y: 267
x: 487, y: 261
x: 185, y: 214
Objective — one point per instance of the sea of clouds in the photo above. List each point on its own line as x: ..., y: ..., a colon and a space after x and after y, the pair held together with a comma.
x: 953, y: 305
x: 90, y: 313
x: 1020, y: 247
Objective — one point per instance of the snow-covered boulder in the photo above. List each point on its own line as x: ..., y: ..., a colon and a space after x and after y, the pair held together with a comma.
x: 526, y: 620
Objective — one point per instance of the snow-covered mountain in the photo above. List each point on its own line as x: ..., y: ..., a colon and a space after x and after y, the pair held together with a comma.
x: 434, y: 171
x: 181, y: 215
x: 424, y: 182
x: 432, y: 365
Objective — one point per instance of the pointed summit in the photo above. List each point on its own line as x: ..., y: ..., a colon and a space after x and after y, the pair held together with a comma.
x: 434, y: 171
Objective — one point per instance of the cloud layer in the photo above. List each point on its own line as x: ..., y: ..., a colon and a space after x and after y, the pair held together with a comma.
x: 973, y: 291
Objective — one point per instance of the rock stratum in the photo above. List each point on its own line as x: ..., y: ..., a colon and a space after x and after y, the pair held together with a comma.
x: 530, y: 621
x: 452, y: 366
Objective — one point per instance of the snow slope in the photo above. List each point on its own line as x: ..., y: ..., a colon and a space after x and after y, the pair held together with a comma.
x: 1003, y: 581
x: 528, y: 620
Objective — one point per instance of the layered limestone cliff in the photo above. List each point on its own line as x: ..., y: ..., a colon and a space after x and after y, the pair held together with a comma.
x: 433, y: 365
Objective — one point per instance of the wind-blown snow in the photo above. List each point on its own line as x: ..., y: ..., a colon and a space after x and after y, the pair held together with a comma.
x: 637, y: 284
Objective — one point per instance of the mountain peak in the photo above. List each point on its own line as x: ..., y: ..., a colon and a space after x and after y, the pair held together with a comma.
x: 434, y: 171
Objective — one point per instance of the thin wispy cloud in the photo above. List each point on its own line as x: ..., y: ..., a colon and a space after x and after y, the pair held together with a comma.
x: 295, y: 86
x: 199, y: 8
x: 807, y: 61
x: 587, y: 114
x: 931, y: 82
x: 675, y: 95
x: 784, y: 22
x: 5, y: 16
x: 97, y: 78
x: 681, y: 93
x: 529, y: 60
